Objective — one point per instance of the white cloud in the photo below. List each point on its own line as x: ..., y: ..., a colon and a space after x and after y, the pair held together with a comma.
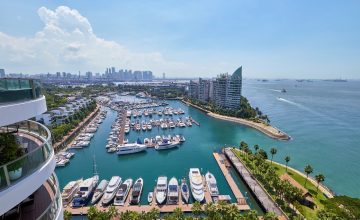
x: 67, y: 43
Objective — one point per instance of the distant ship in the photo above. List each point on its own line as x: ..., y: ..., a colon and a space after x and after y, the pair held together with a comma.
x: 336, y: 80
x: 283, y: 90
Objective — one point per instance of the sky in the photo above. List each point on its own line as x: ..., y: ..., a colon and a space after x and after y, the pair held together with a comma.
x: 190, y: 38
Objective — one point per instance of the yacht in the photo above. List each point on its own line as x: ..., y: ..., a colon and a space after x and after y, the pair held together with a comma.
x: 185, y: 194
x: 196, y: 184
x: 69, y: 191
x: 161, y: 188
x: 131, y: 148
x: 166, y: 144
x: 99, y: 191
x: 173, y: 191
x: 149, y: 127
x: 137, y: 190
x: 111, y: 190
x: 123, y: 192
x: 86, y: 190
x: 211, y: 184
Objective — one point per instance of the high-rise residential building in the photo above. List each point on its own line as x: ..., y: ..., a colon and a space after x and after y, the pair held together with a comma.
x: 227, y: 89
x: 138, y: 75
x: 194, y: 89
x: 2, y: 73
x: 29, y: 188
x: 58, y: 74
x: 204, y: 89
x: 89, y: 75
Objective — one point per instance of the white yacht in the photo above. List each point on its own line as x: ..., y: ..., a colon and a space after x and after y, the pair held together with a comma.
x: 86, y: 190
x: 185, y: 194
x: 166, y: 144
x: 196, y: 184
x: 99, y: 191
x: 173, y: 191
x: 69, y: 191
x: 137, y: 190
x: 161, y: 188
x: 111, y: 190
x: 123, y: 192
x: 211, y: 184
x: 131, y: 148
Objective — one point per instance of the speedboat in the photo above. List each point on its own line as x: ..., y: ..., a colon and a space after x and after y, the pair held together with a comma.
x: 211, y: 184
x: 123, y: 192
x: 86, y: 190
x: 99, y: 191
x: 173, y: 191
x: 185, y: 194
x: 137, y: 190
x: 111, y: 190
x: 150, y: 197
x: 166, y: 144
x: 196, y: 184
x: 69, y: 191
x: 131, y: 148
x: 161, y: 188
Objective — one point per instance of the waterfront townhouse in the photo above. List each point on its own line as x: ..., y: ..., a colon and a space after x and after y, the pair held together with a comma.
x: 29, y: 188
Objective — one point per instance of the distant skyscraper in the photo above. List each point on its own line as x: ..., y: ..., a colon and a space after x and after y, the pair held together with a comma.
x: 227, y: 89
x: 2, y: 73
x: 58, y: 74
x: 163, y: 75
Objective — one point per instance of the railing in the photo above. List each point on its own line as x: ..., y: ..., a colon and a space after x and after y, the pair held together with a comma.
x: 16, y: 170
x: 15, y: 89
x: 52, y: 210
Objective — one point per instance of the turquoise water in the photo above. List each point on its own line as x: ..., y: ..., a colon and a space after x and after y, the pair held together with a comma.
x: 323, y: 119
x: 201, y: 141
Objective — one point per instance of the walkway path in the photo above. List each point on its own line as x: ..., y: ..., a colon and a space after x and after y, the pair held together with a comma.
x: 266, y: 201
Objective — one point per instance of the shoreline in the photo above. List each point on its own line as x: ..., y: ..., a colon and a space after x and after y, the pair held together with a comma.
x: 84, y: 122
x: 269, y: 130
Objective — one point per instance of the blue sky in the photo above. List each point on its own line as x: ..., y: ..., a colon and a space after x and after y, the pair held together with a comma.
x: 271, y: 39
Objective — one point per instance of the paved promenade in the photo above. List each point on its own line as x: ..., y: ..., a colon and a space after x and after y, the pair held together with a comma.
x: 266, y: 201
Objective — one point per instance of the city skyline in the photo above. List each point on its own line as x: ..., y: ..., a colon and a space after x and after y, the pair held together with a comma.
x: 212, y: 38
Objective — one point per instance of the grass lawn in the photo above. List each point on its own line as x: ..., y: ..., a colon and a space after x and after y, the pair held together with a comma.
x: 318, y: 196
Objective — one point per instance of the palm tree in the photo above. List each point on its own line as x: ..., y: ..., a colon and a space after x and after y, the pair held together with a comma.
x: 270, y: 216
x: 287, y: 159
x: 196, y: 209
x: 256, y: 147
x: 319, y: 179
x: 308, y: 169
x: 273, y: 151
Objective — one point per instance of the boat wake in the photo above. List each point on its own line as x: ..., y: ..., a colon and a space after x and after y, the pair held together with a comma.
x: 275, y: 90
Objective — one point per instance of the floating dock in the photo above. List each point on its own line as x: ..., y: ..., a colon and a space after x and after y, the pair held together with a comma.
x: 122, y: 127
x: 257, y: 190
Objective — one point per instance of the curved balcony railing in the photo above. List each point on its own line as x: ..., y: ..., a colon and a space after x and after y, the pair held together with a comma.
x: 52, y: 210
x: 16, y: 170
x: 19, y: 89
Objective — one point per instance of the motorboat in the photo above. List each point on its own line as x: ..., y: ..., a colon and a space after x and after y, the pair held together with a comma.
x: 123, y: 192
x: 111, y: 190
x: 131, y: 148
x: 69, y: 191
x: 86, y: 190
x: 211, y: 184
x: 150, y: 197
x: 161, y: 189
x: 149, y: 127
x: 136, y: 192
x: 196, y: 184
x: 99, y: 191
x: 173, y: 191
x: 180, y: 138
x: 185, y: 193
x: 166, y: 144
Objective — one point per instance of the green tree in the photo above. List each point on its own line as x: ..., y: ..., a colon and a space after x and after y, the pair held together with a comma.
x: 287, y: 159
x: 308, y: 169
x: 270, y: 216
x: 273, y: 151
x: 319, y: 179
x: 67, y: 215
x: 251, y: 215
x: 196, y: 209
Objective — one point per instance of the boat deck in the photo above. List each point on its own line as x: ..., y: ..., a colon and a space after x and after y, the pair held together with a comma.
x: 261, y: 195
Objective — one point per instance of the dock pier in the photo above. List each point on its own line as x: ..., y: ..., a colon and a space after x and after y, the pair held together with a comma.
x: 122, y: 127
x: 255, y: 187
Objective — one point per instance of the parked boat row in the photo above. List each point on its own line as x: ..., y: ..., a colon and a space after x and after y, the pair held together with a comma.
x: 168, y: 111
x: 63, y: 158
x: 87, y: 133
x: 81, y: 192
